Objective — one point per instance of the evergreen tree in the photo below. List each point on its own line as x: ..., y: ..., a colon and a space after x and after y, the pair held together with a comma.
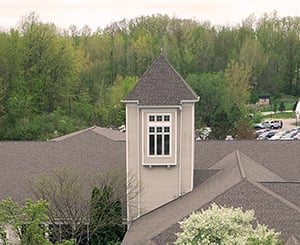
x: 105, y: 217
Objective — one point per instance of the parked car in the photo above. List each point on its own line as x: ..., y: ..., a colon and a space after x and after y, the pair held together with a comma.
x: 268, y: 124
x: 266, y: 135
x: 278, y: 135
x: 279, y: 122
x: 290, y: 134
x: 297, y: 136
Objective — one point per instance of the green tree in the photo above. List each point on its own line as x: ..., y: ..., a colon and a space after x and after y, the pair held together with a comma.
x: 237, y: 86
x: 49, y: 64
x: 105, y: 217
x: 221, y: 225
x: 281, y: 107
x: 210, y: 87
x: 63, y: 188
x: 26, y: 220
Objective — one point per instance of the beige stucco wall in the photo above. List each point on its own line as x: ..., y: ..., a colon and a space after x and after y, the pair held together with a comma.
x: 158, y: 184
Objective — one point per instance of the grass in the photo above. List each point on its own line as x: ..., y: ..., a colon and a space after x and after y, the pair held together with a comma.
x: 288, y: 100
x: 289, y: 114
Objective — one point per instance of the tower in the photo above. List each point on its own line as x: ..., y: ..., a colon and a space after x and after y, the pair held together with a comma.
x: 159, y: 139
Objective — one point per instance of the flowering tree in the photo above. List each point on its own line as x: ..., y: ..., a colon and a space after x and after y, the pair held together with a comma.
x: 225, y: 226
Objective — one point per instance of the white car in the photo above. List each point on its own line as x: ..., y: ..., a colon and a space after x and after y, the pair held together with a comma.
x: 268, y: 124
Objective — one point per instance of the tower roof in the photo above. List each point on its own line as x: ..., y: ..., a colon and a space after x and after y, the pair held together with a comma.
x: 161, y: 84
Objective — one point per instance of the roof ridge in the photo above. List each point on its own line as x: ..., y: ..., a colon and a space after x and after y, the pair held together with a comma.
x: 240, y: 165
x: 183, y: 80
x: 254, y: 170
x: 294, y: 240
x: 277, y: 196
x: 70, y: 135
x: 143, y: 75
x: 182, y: 206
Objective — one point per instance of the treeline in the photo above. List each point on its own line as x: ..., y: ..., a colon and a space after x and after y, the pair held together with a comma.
x: 56, y: 81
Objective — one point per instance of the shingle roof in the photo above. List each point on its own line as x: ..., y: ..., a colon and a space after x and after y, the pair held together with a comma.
x: 161, y: 85
x: 281, y: 157
x: 292, y: 241
x: 88, y: 151
x: 268, y: 210
x: 239, y: 180
x: 263, y: 176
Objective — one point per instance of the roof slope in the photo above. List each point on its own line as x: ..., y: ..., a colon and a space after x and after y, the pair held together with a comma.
x: 161, y: 85
x: 88, y: 151
x: 239, y: 181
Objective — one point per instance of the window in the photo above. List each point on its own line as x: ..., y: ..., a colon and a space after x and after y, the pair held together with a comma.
x: 159, y: 129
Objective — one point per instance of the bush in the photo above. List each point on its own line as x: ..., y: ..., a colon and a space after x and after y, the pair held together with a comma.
x: 228, y: 226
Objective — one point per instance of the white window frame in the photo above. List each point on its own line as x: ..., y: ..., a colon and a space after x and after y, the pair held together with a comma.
x: 156, y: 124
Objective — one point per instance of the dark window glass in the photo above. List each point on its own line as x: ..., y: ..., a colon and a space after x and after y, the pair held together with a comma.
x: 159, y: 129
x: 151, y: 144
x: 151, y: 129
x: 166, y: 144
x: 151, y: 118
x: 166, y: 118
x: 159, y: 118
x: 166, y: 129
x: 159, y: 144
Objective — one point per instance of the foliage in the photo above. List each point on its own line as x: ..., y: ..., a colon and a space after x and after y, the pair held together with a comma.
x: 25, y: 220
x: 81, y: 76
x: 69, y: 200
x: 221, y: 225
x: 105, y: 217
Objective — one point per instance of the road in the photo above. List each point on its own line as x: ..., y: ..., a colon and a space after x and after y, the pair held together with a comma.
x: 289, y: 123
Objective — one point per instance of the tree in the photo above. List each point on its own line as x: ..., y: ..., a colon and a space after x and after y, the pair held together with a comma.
x: 105, y: 217
x: 68, y: 194
x: 64, y: 190
x: 221, y: 225
x: 281, y: 106
x: 237, y: 87
x: 209, y: 87
x: 26, y: 220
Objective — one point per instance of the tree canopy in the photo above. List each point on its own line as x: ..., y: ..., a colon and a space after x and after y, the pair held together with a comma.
x: 225, y: 226
x: 56, y: 81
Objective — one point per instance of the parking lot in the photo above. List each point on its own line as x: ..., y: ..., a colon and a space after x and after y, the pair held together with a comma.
x: 289, y: 130
x: 288, y: 124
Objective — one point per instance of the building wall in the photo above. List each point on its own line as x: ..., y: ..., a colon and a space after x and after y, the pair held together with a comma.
x: 187, y: 147
x: 159, y: 179
x: 132, y: 159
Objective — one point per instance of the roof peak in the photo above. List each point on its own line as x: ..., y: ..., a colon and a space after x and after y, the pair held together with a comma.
x: 161, y: 85
x: 247, y: 167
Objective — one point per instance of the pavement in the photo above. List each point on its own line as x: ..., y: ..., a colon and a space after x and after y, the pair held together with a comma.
x: 288, y: 123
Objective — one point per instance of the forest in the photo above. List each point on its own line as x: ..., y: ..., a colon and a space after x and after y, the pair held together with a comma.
x: 55, y: 81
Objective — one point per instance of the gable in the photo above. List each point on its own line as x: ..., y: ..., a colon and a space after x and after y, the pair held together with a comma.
x: 235, y: 179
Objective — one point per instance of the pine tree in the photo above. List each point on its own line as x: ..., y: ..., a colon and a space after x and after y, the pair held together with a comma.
x: 105, y: 217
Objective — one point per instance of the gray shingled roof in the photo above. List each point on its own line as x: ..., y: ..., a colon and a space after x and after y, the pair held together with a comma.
x: 292, y: 241
x: 161, y: 85
x: 263, y: 176
x: 87, y: 151
x: 238, y: 180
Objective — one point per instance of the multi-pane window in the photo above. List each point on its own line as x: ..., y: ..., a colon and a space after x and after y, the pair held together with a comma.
x: 159, y: 129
